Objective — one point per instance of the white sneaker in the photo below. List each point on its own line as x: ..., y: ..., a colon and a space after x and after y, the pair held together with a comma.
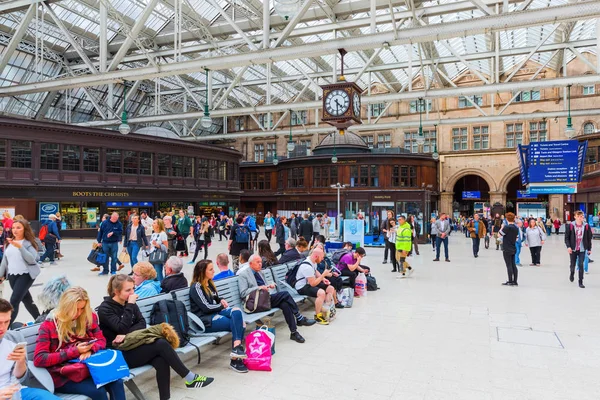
x: 401, y: 276
x: 410, y: 271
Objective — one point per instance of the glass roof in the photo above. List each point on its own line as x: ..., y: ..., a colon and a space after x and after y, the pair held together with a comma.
x: 44, y: 53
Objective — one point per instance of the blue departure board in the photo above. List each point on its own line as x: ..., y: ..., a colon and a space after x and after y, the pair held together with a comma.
x: 553, y: 162
x: 471, y: 195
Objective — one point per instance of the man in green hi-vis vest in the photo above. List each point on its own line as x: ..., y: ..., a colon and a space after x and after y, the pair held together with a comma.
x: 403, y: 245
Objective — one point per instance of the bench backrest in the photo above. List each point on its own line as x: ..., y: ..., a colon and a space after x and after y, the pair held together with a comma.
x: 182, y: 295
x: 279, y: 271
x: 146, y: 304
x: 30, y: 333
x: 229, y: 290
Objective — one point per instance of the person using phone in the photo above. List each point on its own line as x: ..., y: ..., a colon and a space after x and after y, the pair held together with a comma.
x: 13, y: 362
x: 60, y: 340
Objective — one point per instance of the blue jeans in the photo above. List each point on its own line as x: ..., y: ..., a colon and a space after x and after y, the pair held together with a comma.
x: 159, y: 271
x: 111, y: 249
x: 518, y: 246
x: 37, y: 394
x: 586, y: 262
x: 87, y: 387
x: 229, y: 320
x: 133, y: 250
x: 49, y: 251
x: 549, y: 231
x: 438, y: 242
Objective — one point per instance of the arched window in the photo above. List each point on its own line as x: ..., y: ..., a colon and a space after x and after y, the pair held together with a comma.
x: 589, y: 128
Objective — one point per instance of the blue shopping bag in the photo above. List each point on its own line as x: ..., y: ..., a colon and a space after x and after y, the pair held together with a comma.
x: 107, y: 366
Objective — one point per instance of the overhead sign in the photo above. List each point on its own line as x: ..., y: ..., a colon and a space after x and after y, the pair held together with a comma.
x: 471, y: 195
x: 47, y: 208
x: 553, y: 162
x: 553, y: 189
x: 524, y: 194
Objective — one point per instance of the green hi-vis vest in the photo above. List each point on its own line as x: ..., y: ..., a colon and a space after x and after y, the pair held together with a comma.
x: 404, y: 237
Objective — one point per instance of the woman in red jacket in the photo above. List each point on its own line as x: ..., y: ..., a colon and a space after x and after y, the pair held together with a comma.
x: 67, y: 335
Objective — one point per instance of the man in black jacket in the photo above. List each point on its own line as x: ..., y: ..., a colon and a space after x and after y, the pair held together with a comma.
x: 306, y: 229
x: 291, y: 253
x: 280, y: 235
x: 175, y: 278
x: 578, y: 239
x: 510, y: 233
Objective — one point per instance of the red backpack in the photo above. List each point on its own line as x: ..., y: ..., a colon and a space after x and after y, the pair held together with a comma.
x: 43, y: 232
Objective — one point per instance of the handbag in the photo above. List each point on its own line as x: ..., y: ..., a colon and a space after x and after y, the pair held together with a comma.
x: 158, y: 256
x: 124, y: 257
x: 74, y: 371
x: 257, y: 301
x: 106, y: 366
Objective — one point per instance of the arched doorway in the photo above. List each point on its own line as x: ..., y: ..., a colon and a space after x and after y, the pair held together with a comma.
x: 524, y: 205
x: 471, y: 193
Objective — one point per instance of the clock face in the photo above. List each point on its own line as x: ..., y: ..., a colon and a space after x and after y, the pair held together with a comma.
x: 337, y: 102
x: 356, y: 104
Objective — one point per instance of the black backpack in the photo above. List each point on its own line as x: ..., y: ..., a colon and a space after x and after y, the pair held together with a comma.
x: 172, y: 312
x: 242, y: 234
x: 371, y: 283
x: 335, y: 257
x: 290, y: 276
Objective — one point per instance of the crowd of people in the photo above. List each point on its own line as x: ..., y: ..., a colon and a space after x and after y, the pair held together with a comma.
x: 69, y: 328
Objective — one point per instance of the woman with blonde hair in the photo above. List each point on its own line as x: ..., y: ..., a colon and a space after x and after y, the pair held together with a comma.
x: 20, y: 265
x: 215, y: 313
x: 71, y: 331
x: 7, y: 221
x: 159, y: 241
x: 144, y: 276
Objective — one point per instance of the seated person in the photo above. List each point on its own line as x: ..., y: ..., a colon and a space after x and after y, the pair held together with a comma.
x: 60, y: 340
x: 252, y: 278
x: 319, y: 239
x: 223, y: 265
x: 244, y: 257
x: 302, y: 247
x: 312, y: 283
x: 349, y: 264
x: 119, y: 315
x: 175, y: 278
x: 216, y: 314
x: 266, y: 254
x: 144, y: 276
x: 50, y: 295
x: 14, y: 366
x: 291, y: 254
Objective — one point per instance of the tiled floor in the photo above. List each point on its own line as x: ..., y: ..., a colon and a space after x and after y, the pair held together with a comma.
x: 432, y: 336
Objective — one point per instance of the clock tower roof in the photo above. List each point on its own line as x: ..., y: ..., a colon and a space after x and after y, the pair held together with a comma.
x: 347, y: 143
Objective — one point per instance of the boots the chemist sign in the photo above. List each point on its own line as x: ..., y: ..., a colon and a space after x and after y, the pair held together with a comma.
x: 100, y: 194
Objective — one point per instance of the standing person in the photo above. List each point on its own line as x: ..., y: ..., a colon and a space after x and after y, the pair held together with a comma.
x: 215, y: 312
x: 403, y: 245
x: 578, y: 239
x: 306, y: 228
x: 109, y: 236
x: 280, y: 235
x: 158, y: 241
x: 294, y: 226
x: 203, y: 239
x: 269, y: 226
x: 534, y: 239
x: 119, y: 315
x: 325, y: 225
x: 134, y: 239
x: 519, y: 243
x: 239, y: 240
x: 549, y: 226
x: 316, y: 228
x: 222, y: 226
x: 7, y: 221
x: 510, y: 233
x: 171, y: 235
x: 146, y: 222
x: 390, y: 242
x: 59, y: 229
x: 443, y: 227
x: 433, y: 233
x: 51, y: 239
x: 557, y: 225
x: 184, y: 225
x: 478, y: 232
x: 65, y: 337
x: 20, y: 265
x: 496, y: 229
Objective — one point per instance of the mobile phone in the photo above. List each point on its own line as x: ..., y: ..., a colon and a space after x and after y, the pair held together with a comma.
x: 92, y: 341
x: 21, y: 345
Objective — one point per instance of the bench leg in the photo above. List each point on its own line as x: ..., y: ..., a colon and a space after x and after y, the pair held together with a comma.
x: 134, y: 389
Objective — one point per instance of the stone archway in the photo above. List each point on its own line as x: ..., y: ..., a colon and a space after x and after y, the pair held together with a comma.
x: 471, y: 171
x: 507, y: 178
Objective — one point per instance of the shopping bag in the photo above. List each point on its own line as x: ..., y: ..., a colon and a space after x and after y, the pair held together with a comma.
x: 107, y: 366
x: 346, y: 297
x: 94, y: 255
x: 360, y: 287
x: 192, y: 247
x: 258, y: 350
x: 270, y: 330
x: 124, y: 257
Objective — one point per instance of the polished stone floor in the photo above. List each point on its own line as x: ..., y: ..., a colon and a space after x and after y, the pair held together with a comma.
x: 450, y: 331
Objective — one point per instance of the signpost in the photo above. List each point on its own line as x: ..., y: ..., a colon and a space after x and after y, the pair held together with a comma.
x: 471, y: 195
x: 47, y: 208
x: 524, y: 194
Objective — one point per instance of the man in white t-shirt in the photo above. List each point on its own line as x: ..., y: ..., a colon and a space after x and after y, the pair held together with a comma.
x: 13, y: 368
x: 312, y: 283
x: 147, y: 224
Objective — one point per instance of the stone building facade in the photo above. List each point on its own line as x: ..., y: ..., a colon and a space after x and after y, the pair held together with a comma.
x: 484, y: 149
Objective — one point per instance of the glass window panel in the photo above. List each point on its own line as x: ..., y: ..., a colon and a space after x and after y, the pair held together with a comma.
x: 49, y: 156
x: 91, y: 159
x: 188, y: 167
x: 202, y: 168
x: 2, y: 153
x: 213, y: 166
x: 71, y: 158
x: 20, y: 154
x: 113, y: 161
x: 145, y: 163
x: 164, y: 165
x: 130, y: 162
x: 177, y: 165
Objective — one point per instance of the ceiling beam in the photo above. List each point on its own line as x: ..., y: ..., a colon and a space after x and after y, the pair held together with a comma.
x: 418, y: 34
x: 17, y: 37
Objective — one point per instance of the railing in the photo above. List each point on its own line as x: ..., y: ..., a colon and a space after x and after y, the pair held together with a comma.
x: 590, y: 168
